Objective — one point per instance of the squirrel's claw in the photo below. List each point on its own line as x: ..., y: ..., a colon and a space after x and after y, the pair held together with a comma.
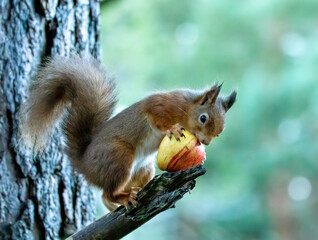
x: 176, y: 131
x: 132, y: 197
x: 129, y: 200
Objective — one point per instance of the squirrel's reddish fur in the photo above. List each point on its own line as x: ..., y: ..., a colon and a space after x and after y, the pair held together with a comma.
x: 111, y: 152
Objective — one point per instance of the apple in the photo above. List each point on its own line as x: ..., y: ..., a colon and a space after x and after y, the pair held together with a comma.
x: 176, y: 155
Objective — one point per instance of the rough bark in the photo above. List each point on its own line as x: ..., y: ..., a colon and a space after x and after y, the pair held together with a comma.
x: 158, y: 195
x: 40, y: 197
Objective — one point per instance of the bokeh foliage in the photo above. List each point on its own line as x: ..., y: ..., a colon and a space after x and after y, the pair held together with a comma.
x: 262, y: 171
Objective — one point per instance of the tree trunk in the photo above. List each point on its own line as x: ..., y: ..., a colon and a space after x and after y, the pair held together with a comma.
x: 40, y: 197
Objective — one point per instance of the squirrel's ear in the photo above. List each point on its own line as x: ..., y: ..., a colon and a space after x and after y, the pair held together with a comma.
x: 228, y: 101
x: 209, y: 97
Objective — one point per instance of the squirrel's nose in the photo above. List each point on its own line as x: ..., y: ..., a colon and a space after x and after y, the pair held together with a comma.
x: 206, y: 141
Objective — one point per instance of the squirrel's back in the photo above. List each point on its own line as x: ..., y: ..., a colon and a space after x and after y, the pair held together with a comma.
x: 74, y: 88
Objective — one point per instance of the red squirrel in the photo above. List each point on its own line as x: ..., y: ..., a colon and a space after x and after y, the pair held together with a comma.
x: 111, y: 152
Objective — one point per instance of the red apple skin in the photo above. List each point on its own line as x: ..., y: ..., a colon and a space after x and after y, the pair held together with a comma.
x: 189, y: 159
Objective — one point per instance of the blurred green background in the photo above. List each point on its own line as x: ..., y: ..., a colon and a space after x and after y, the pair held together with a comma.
x: 261, y: 180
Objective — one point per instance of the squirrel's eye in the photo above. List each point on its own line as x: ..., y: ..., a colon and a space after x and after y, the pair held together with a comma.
x: 203, y: 118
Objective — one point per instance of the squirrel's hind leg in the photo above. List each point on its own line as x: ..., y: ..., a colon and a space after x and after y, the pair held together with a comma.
x: 114, y: 163
x: 111, y: 206
x: 136, y: 183
x: 141, y: 177
x: 122, y: 198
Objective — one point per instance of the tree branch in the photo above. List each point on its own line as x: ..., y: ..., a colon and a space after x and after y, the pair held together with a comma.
x: 160, y: 194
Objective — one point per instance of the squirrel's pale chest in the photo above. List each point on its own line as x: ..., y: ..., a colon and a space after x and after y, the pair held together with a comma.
x: 145, y: 153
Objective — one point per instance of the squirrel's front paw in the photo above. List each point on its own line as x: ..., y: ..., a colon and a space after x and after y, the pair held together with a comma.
x: 176, y: 131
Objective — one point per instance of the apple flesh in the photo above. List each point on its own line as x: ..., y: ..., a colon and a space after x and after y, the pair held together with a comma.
x: 176, y: 155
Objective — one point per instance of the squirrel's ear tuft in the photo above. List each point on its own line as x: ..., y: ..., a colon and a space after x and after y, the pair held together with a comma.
x: 210, y: 96
x: 229, y: 101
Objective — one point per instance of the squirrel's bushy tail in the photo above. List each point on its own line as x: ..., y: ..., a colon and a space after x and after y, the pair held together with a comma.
x: 77, y: 89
